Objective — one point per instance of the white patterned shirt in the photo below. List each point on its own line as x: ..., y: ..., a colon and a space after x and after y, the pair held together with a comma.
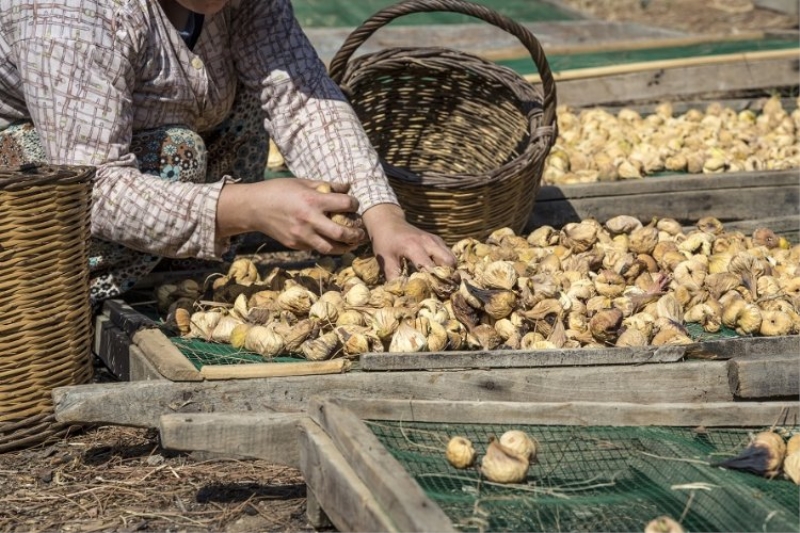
x: 88, y: 73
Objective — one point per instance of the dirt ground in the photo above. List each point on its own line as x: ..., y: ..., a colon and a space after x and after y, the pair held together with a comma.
x: 703, y: 17
x: 115, y: 479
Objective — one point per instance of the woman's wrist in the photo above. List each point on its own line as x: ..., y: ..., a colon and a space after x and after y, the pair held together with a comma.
x: 233, y: 212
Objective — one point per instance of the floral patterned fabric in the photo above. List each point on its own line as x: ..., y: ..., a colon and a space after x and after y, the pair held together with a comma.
x: 173, y: 154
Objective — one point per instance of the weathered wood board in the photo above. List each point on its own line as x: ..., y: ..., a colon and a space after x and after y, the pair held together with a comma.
x: 268, y: 436
x: 720, y: 414
x: 689, y: 382
x: 760, y: 377
x: 714, y: 349
x: 410, y: 509
x: 652, y: 84
x: 333, y: 486
x: 394, y: 490
x: 729, y: 197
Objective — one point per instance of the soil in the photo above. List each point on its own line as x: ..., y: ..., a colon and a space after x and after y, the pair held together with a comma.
x: 111, y: 478
x: 705, y: 17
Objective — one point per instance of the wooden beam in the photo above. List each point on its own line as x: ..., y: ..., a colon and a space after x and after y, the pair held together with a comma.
x: 732, y: 414
x: 700, y: 381
x: 678, y: 82
x: 743, y: 347
x: 686, y: 198
x: 392, y: 486
x: 165, y: 356
x: 334, y: 486
x: 520, y: 358
x: 763, y: 376
x: 268, y: 436
x: 140, y: 367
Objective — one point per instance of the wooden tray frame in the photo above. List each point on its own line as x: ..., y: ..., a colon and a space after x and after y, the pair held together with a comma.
x: 354, y: 481
x: 740, y: 200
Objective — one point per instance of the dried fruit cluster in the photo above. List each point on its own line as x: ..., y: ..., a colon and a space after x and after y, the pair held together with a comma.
x: 768, y: 455
x: 596, y: 145
x: 506, y: 459
x: 620, y: 283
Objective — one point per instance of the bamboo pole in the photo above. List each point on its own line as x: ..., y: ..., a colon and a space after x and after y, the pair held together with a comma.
x: 520, y: 52
x: 594, y: 72
x: 273, y: 370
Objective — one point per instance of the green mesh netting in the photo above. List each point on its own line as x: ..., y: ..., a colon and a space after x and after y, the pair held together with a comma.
x: 563, y: 62
x: 598, y: 479
x: 332, y: 14
x: 201, y: 353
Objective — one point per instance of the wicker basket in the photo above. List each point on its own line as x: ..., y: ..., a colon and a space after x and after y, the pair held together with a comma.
x: 45, y: 314
x: 463, y: 140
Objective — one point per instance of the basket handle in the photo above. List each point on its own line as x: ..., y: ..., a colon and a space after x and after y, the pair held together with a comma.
x: 407, y: 7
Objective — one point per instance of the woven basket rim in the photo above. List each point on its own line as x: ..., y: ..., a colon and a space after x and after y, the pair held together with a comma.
x: 28, y: 175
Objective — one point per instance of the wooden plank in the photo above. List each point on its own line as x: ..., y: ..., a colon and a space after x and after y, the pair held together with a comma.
x: 393, y: 488
x: 788, y: 7
x: 520, y: 358
x: 315, y: 514
x: 687, y: 198
x: 691, y: 381
x: 674, y: 183
x: 334, y: 487
x: 765, y: 376
x: 787, y: 225
x: 165, y: 356
x: 272, y: 370
x: 679, y: 82
x: 732, y: 414
x: 743, y: 346
x: 140, y: 367
x: 268, y: 436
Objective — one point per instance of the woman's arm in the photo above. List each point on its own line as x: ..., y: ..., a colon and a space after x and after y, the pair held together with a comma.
x: 78, y: 72
x: 318, y: 131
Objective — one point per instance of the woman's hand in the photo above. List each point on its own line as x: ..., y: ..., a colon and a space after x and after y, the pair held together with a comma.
x: 290, y: 211
x: 393, y: 239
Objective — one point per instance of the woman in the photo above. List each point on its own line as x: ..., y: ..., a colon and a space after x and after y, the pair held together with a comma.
x: 174, y: 102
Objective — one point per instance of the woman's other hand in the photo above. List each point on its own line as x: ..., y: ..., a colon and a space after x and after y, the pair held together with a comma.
x: 394, y: 239
x: 290, y: 211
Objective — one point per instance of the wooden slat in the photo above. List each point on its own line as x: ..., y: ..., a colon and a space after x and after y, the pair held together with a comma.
x: 729, y: 197
x: 744, y: 346
x: 733, y: 414
x: 677, y: 82
x: 334, y: 487
x: 788, y: 225
x: 165, y: 356
x: 272, y: 370
x: 393, y: 488
x: 520, y: 359
x: 700, y: 381
x: 765, y: 376
x: 140, y: 367
x: 268, y: 436
x: 675, y: 183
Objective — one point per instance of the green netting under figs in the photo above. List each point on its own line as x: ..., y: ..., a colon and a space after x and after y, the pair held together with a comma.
x: 562, y: 62
x: 598, y: 479
x: 332, y: 14
x: 201, y: 353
